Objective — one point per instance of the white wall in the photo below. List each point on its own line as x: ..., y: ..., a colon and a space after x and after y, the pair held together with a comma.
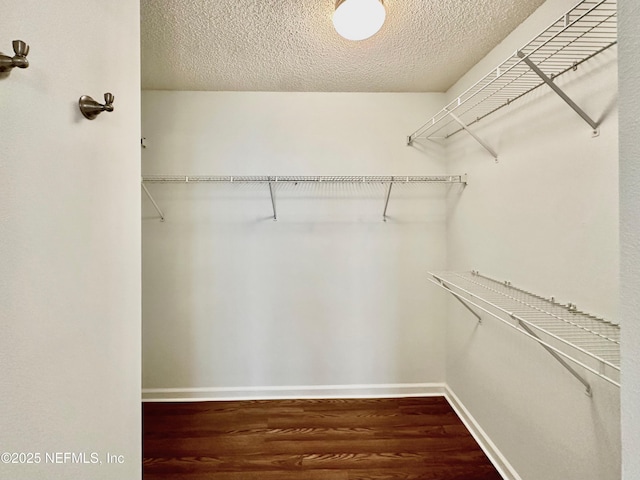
x: 545, y: 217
x: 327, y: 295
x: 69, y: 240
x: 629, y: 76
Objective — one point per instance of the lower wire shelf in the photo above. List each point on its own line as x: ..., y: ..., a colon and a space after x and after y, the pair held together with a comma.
x: 572, y: 337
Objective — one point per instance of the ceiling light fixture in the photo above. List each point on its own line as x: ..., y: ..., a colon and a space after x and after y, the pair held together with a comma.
x: 358, y: 19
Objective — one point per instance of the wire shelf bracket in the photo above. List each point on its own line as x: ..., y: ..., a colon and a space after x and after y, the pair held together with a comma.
x: 155, y: 205
x: 273, y: 202
x: 386, y: 203
x: 571, y: 337
x: 585, y: 31
x: 273, y: 181
x: 475, y: 136
x: 562, y: 361
x: 594, y: 125
x: 459, y: 299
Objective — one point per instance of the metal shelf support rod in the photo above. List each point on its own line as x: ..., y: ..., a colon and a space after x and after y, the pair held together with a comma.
x: 559, y: 91
x: 273, y: 201
x: 473, y: 134
x: 144, y: 187
x: 386, y: 203
x: 557, y: 357
x: 442, y: 284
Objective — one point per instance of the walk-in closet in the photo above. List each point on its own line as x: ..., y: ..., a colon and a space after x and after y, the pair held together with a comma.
x: 242, y: 240
x: 338, y: 244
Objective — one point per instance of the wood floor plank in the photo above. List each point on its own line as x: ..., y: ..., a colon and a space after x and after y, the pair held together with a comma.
x: 448, y: 473
x: 254, y: 444
x: 359, y: 419
x: 260, y: 475
x: 337, y: 439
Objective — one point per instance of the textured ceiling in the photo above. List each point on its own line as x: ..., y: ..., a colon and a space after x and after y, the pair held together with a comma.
x: 278, y: 45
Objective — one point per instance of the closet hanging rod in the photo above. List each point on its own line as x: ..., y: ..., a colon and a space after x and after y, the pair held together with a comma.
x: 397, y: 179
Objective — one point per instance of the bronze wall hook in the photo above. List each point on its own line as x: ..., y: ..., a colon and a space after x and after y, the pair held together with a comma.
x: 91, y: 109
x: 21, y: 50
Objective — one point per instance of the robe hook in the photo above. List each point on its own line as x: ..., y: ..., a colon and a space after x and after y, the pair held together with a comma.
x: 91, y: 109
x: 21, y: 50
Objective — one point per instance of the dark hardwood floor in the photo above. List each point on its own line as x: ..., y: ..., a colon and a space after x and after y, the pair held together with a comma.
x: 381, y: 439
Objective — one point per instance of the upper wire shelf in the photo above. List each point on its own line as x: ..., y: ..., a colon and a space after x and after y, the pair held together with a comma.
x: 585, y: 31
x: 567, y: 333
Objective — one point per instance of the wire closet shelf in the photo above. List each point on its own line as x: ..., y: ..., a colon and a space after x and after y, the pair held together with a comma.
x: 272, y: 183
x: 582, y: 33
x: 304, y: 179
x: 567, y: 333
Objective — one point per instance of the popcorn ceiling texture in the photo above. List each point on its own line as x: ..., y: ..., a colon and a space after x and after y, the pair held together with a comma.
x: 252, y: 45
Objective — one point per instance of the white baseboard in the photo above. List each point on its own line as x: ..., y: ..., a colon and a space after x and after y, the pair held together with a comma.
x: 292, y: 392
x: 488, y: 447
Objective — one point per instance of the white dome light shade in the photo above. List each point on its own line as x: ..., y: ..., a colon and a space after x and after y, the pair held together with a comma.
x: 358, y: 19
